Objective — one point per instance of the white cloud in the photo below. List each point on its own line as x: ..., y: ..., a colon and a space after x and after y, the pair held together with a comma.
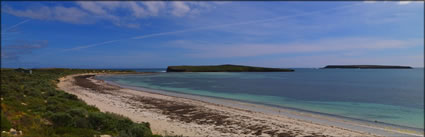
x: 89, y: 12
x: 369, y: 1
x: 93, y: 7
x: 154, y: 7
x: 180, y: 8
x: 72, y: 15
x: 404, y: 2
x: 137, y: 10
x: 65, y: 14
x: 39, y: 13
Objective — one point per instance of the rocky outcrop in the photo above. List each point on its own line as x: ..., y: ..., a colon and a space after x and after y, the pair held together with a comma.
x: 366, y: 67
x: 224, y: 68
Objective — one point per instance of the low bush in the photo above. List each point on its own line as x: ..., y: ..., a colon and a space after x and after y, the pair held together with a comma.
x: 32, y: 103
x: 5, y: 124
x: 136, y: 130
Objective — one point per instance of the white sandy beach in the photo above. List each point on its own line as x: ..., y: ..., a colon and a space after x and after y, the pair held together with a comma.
x: 169, y: 115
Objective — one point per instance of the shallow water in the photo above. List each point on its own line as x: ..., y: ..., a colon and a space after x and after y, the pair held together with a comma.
x: 392, y: 96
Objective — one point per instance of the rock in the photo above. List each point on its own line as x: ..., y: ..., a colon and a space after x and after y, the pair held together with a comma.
x: 105, y: 136
x: 23, y: 104
x: 12, y: 131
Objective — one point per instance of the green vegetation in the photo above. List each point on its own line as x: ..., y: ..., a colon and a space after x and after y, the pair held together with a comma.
x: 31, y: 103
x: 224, y: 68
x: 367, y: 67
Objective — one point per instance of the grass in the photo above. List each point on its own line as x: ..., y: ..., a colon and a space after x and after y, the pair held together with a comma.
x: 31, y: 103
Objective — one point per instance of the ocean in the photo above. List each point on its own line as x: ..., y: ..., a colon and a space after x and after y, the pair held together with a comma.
x: 392, y: 96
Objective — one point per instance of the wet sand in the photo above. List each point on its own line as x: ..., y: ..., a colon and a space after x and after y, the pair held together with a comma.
x: 171, y: 115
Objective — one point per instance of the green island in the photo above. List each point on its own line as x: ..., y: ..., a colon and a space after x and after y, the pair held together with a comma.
x: 32, y: 105
x: 224, y: 68
x: 366, y: 67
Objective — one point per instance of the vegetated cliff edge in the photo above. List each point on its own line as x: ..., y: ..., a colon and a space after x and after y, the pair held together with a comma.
x: 224, y: 68
x: 366, y: 67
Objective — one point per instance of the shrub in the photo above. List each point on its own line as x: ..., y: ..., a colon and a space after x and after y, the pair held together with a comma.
x: 81, y: 122
x: 136, y: 130
x: 5, y: 124
x: 68, y: 96
x: 63, y: 115
x: 78, y: 112
x: 97, y: 120
x: 117, y: 122
x: 61, y: 119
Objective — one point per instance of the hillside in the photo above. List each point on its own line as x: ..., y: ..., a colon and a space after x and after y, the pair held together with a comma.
x: 31, y: 105
x: 224, y: 68
x: 366, y: 67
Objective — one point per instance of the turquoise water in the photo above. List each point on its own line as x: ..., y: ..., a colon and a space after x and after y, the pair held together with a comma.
x: 393, y: 96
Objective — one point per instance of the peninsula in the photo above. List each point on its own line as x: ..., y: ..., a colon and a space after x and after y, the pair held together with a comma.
x: 366, y: 67
x: 224, y: 68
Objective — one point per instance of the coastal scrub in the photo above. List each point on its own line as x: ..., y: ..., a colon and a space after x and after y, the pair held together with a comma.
x: 32, y: 104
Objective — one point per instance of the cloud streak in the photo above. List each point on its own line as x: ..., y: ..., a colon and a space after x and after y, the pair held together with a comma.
x: 14, y: 51
x: 123, y: 14
x: 216, y: 26
x: 16, y: 25
x: 323, y: 60
x: 59, y: 13
x: 324, y: 45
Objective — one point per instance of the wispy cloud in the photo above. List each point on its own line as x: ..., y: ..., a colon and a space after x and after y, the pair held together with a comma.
x: 88, y: 12
x: 363, y: 16
x: 180, y: 8
x: 324, y: 45
x: 323, y: 60
x: 215, y: 26
x: 59, y: 13
x: 404, y: 2
x: 13, y: 51
x: 16, y: 25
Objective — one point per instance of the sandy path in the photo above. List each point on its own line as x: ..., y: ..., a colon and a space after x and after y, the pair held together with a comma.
x: 169, y: 115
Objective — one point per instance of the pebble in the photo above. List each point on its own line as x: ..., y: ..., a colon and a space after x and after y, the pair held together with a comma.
x: 12, y: 131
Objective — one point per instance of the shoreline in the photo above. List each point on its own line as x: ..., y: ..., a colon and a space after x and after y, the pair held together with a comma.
x: 380, y: 128
x: 167, y: 121
x: 274, y: 107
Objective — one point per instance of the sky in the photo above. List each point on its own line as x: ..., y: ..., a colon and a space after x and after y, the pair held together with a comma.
x: 138, y: 34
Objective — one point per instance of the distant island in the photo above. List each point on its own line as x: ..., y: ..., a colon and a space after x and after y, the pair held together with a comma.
x: 366, y: 67
x: 224, y: 68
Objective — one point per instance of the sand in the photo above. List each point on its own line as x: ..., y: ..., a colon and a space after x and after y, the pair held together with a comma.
x: 170, y: 115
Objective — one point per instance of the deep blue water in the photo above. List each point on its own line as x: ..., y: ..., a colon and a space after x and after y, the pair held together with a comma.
x: 394, y: 96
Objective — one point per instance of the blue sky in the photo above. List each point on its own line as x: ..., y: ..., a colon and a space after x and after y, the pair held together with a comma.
x: 158, y: 34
